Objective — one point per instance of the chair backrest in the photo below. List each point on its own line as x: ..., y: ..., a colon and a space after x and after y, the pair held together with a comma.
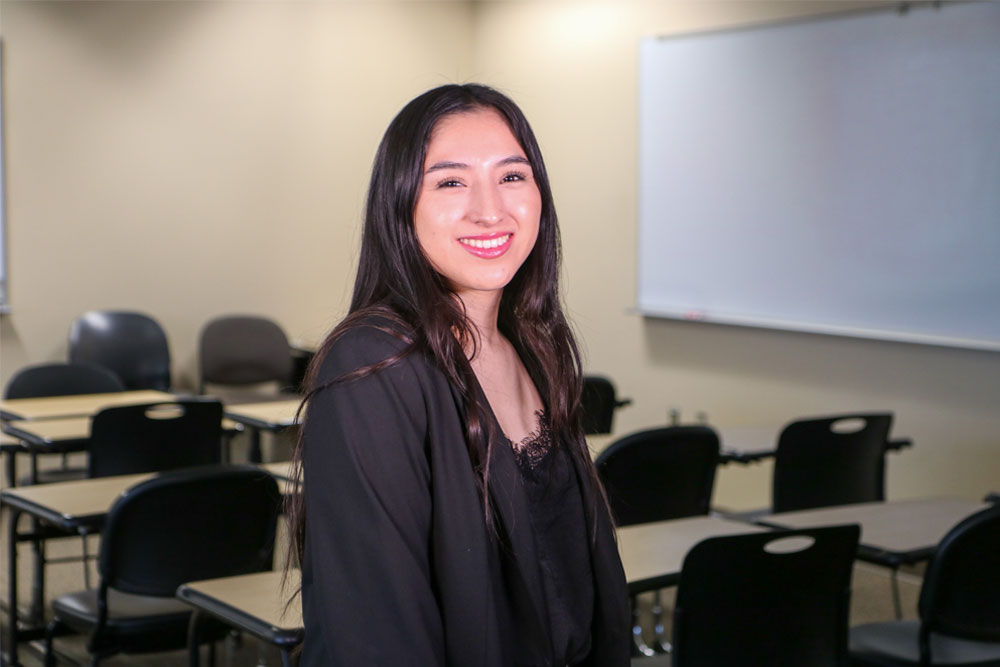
x: 961, y: 591
x: 775, y: 599
x: 61, y: 379
x: 659, y: 474
x: 829, y: 461
x: 242, y: 350
x: 189, y: 525
x: 597, y: 404
x: 153, y: 437
x: 132, y: 345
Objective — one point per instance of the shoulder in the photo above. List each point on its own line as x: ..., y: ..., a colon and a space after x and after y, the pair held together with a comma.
x: 365, y: 344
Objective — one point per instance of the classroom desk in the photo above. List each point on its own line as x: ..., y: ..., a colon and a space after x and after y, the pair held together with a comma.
x: 252, y: 603
x: 271, y: 416
x: 653, y: 553
x: 80, y: 405
x: 46, y: 436
x: 893, y: 533
x: 77, y: 507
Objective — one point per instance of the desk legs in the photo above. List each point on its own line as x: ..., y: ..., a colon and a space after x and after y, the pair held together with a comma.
x: 12, y: 610
x: 255, y: 455
x: 10, y: 453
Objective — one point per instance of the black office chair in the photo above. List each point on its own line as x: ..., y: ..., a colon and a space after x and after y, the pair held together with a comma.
x: 60, y: 379
x: 241, y: 350
x: 959, y: 606
x: 154, y: 437
x: 659, y: 474
x: 775, y: 599
x: 598, y: 404
x: 133, y: 345
x: 656, y: 475
x: 182, y: 526
x: 829, y: 461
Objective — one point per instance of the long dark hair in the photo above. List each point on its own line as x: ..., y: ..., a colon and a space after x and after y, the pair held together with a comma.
x: 397, y: 283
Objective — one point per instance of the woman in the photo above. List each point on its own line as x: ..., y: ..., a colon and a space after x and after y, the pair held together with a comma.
x: 451, y: 512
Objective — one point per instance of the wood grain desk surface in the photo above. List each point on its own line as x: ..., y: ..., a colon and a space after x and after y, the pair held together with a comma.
x: 80, y: 405
x: 258, y: 595
x: 268, y: 415
x: 53, y: 431
x: 654, y: 551
x: 898, y: 526
x: 83, y: 500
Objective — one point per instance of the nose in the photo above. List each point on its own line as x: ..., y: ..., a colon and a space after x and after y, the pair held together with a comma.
x: 487, y: 206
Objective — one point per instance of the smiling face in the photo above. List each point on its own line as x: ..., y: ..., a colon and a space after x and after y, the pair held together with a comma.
x: 478, y: 208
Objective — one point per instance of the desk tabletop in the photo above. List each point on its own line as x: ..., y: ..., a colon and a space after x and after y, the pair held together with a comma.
x: 653, y: 553
x: 84, y: 502
x: 898, y: 531
x: 74, y: 504
x: 270, y: 415
x: 50, y: 432
x: 80, y: 405
x: 255, y: 603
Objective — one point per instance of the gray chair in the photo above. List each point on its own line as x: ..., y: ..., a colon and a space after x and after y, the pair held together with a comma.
x: 656, y: 475
x: 598, y: 404
x: 58, y: 379
x: 242, y: 350
x: 132, y: 345
x: 182, y: 526
x: 959, y: 606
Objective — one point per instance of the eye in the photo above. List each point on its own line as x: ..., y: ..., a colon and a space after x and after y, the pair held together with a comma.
x: 449, y: 183
x: 514, y: 176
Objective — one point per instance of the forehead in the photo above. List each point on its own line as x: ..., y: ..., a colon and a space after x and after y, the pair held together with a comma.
x: 481, y: 133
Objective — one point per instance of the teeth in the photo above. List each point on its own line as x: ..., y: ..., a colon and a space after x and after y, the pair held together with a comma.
x: 485, y: 244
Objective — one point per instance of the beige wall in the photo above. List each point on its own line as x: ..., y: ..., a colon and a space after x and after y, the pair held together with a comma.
x: 190, y: 159
x: 573, y: 67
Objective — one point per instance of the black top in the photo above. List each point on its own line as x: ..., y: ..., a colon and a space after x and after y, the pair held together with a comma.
x: 560, y: 531
x: 400, y: 567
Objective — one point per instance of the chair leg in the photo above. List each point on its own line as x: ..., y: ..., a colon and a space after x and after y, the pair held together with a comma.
x: 639, y: 646
x: 897, y: 602
x: 50, y: 631
x: 86, y: 562
x: 194, y: 657
x: 661, y: 643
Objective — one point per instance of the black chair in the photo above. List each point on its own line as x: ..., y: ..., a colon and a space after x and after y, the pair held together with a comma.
x: 776, y: 599
x: 59, y: 379
x: 656, y: 475
x: 133, y: 345
x: 959, y: 606
x: 154, y: 437
x: 829, y: 461
x: 241, y: 350
x: 598, y: 404
x: 182, y: 526
x: 659, y: 474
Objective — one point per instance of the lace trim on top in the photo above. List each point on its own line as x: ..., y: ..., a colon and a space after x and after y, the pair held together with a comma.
x: 532, y: 450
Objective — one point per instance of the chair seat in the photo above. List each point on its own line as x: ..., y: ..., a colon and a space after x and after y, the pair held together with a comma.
x: 125, y: 610
x: 894, y: 644
x: 136, y: 623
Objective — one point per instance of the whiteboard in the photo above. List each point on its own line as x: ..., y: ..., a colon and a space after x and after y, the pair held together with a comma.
x: 838, y: 175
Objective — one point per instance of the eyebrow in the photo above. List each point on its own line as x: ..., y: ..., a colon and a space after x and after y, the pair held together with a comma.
x: 445, y: 164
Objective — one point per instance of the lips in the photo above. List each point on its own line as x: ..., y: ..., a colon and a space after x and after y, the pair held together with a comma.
x: 487, y: 246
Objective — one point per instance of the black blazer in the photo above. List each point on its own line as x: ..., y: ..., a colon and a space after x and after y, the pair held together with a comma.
x: 399, y: 566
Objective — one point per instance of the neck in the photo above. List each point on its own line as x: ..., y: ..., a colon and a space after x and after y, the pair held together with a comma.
x: 483, y: 310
